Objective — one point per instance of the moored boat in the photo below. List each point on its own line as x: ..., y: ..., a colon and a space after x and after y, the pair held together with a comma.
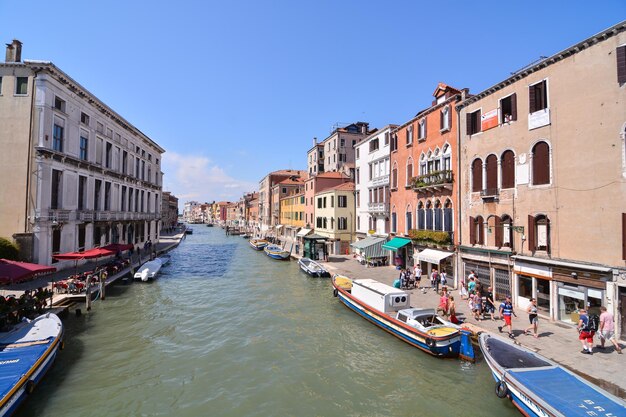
x: 312, y: 268
x: 538, y: 386
x: 276, y: 252
x: 150, y: 269
x: 258, y: 244
x: 26, y: 353
x: 189, y: 231
x: 389, y: 308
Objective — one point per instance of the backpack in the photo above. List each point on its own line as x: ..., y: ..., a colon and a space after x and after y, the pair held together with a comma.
x: 593, y: 323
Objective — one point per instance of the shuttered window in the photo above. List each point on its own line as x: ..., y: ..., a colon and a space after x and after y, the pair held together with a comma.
x: 473, y: 122
x: 472, y: 231
x: 492, y: 173
x: 480, y: 231
x: 538, y: 96
x: 541, y: 163
x: 498, y: 232
x: 508, y: 108
x: 621, y: 64
x: 477, y: 175
x: 394, y: 177
x: 508, y: 169
x: 532, y: 241
x: 420, y: 219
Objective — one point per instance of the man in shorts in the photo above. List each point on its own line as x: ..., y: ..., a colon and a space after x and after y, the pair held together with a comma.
x: 506, y: 311
x: 489, y: 305
x: 607, y: 329
x: 585, y: 334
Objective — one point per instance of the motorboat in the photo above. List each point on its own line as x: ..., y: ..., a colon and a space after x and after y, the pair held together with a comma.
x: 538, y: 386
x: 27, y: 352
x: 389, y: 308
x: 258, y: 244
x: 150, y: 269
x: 276, y: 252
x: 313, y: 268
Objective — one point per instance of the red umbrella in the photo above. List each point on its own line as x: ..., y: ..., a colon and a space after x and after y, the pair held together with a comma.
x: 14, y: 271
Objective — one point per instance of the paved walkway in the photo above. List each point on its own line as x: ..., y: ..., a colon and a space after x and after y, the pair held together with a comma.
x: 556, y: 341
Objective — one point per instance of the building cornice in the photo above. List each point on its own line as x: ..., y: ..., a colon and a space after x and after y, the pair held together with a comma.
x: 559, y: 56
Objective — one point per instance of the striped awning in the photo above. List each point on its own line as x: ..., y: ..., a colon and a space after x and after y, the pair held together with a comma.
x: 371, y: 247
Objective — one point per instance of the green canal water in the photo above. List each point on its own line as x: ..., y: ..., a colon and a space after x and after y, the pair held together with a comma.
x: 226, y: 331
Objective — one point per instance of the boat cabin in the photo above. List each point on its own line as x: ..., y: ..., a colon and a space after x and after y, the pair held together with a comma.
x: 426, y: 317
x: 380, y: 296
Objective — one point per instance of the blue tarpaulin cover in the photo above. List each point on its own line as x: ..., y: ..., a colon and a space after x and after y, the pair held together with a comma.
x: 15, y: 362
x: 568, y: 394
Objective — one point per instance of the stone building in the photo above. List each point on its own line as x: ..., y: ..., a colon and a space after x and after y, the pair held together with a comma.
x: 74, y: 174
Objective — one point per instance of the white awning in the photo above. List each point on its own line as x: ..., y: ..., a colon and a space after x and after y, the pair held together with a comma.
x: 278, y: 226
x: 433, y: 256
x: 304, y: 232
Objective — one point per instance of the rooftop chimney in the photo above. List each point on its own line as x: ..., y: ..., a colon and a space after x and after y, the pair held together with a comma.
x: 14, y: 51
x: 314, y: 141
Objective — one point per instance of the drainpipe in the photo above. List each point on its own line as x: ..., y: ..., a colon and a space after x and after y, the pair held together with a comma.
x: 30, y: 155
x: 459, y: 229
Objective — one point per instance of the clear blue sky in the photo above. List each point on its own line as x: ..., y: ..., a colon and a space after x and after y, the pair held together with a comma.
x: 235, y: 89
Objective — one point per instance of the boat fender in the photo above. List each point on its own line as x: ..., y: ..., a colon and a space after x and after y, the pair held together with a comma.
x: 62, y: 345
x: 431, y: 343
x: 335, y: 292
x: 30, y: 386
x: 501, y: 389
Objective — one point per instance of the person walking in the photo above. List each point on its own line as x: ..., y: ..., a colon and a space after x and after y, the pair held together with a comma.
x: 607, y: 330
x: 533, y: 318
x: 418, y: 275
x: 452, y: 310
x: 585, y: 334
x: 434, y: 280
x: 443, y: 303
x: 506, y: 311
x: 443, y: 278
x: 489, y: 305
x: 477, y: 306
x: 471, y: 285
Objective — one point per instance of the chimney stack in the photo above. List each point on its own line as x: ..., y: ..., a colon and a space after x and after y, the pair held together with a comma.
x: 314, y: 141
x: 14, y: 51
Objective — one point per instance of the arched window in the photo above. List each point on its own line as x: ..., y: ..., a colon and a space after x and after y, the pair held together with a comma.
x: 447, y: 216
x: 477, y: 175
x: 409, y: 171
x: 436, y: 160
x: 409, y: 219
x: 508, y: 169
x: 447, y: 158
x: 479, y: 230
x: 394, y: 221
x: 492, y: 174
x: 394, y: 176
x: 539, y: 233
x: 438, y: 216
x: 445, y: 120
x: 507, y: 231
x: 429, y: 216
x: 420, y: 216
x: 541, y: 163
x: 423, y: 169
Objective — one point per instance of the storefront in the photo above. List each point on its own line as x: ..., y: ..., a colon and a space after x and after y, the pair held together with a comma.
x: 430, y: 259
x: 561, y: 288
x: 370, y: 251
x: 401, y: 251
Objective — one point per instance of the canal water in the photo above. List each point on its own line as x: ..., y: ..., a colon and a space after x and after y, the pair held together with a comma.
x: 226, y: 331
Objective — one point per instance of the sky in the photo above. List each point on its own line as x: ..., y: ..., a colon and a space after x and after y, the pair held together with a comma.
x: 235, y: 89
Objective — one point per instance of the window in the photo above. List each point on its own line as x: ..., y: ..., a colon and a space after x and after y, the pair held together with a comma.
x: 374, y: 145
x: 324, y: 222
x: 107, y: 196
x: 409, y: 220
x: 621, y: 64
x: 84, y: 118
x: 358, y: 175
x: 447, y: 217
x: 55, y: 189
x: 420, y: 216
x: 438, y: 216
x: 394, y: 142
x: 107, y: 159
x: 324, y: 202
x: 429, y: 216
x: 508, y: 109
x: 84, y: 148
x: 342, y: 223
x: 124, y: 161
x: 477, y: 231
x: 508, y: 169
x: 57, y: 138
x: 541, y: 164
x: 358, y: 198
x: 386, y: 133
x: 0, y: 86
x: 82, y: 192
x: 477, y: 175
x: 81, y: 237
x: 507, y: 232
x: 357, y: 153
x: 318, y: 222
x: 409, y: 135
x: 409, y: 171
x: 473, y: 122
x: 538, y: 96
x: 332, y: 201
x: 342, y: 201
x: 538, y: 233
x: 394, y: 176
x: 394, y: 222
x: 445, y: 118
x: 421, y: 129
x: 100, y: 128
x: 59, y: 104
x: 96, y: 195
x: 21, y: 86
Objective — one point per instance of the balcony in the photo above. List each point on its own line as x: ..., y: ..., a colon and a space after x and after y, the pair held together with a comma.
x: 380, y: 208
x: 433, y: 181
x: 382, y: 180
x: 85, y: 215
x: 434, y: 238
x: 490, y: 194
x: 52, y: 215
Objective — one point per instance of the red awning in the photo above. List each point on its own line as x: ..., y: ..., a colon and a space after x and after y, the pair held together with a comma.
x: 88, y: 254
x: 13, y: 271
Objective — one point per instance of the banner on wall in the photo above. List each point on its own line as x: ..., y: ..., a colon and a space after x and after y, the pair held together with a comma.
x: 489, y: 120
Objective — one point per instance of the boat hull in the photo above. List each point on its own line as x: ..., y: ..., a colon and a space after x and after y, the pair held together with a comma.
x: 443, y: 346
x: 32, y: 366
x: 545, y: 388
x: 316, y: 271
x: 258, y: 244
x: 277, y: 253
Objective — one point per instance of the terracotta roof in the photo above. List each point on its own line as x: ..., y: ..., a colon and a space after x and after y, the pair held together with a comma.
x: 292, y: 181
x: 288, y: 172
x: 333, y: 174
x: 346, y: 186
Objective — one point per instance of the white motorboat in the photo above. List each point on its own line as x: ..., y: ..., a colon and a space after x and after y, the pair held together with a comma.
x: 313, y: 268
x: 150, y: 269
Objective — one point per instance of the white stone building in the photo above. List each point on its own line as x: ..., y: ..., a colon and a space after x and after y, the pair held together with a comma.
x: 74, y: 174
